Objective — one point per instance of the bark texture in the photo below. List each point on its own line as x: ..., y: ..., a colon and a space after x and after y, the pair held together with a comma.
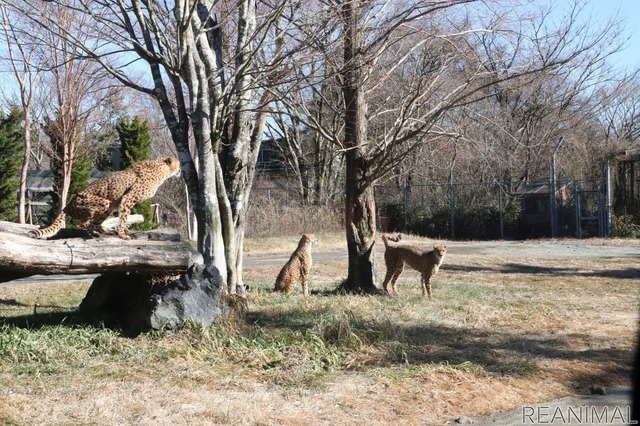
x: 360, y: 208
x: 76, y: 252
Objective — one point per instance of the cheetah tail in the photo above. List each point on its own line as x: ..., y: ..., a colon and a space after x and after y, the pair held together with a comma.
x: 50, y: 230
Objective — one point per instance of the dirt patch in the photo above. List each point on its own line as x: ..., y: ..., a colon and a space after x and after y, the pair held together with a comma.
x: 551, y: 249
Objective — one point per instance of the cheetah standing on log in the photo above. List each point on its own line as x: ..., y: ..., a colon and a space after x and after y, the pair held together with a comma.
x: 297, y: 267
x: 427, y: 262
x: 118, y: 190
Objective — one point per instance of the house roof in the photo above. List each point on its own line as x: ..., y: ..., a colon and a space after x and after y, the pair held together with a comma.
x: 540, y: 187
x: 42, y: 180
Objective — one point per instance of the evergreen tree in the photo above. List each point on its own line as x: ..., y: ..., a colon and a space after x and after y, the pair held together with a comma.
x: 11, y: 154
x: 80, y: 173
x: 135, y: 143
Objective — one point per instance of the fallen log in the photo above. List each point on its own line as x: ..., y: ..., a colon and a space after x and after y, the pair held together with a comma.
x: 77, y: 252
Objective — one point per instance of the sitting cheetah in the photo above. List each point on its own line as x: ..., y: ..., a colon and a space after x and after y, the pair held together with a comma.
x: 118, y: 190
x: 425, y: 262
x: 297, y: 267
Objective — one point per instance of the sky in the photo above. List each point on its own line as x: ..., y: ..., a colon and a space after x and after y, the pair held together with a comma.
x: 628, y: 11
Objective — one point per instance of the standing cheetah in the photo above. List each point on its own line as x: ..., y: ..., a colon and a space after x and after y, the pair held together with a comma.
x: 297, y: 267
x: 427, y: 262
x: 118, y: 190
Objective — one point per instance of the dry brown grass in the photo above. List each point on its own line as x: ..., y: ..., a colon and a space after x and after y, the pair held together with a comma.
x: 501, y: 331
x: 278, y: 245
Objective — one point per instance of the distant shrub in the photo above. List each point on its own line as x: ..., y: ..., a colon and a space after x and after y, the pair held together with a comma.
x: 477, y: 222
x: 270, y: 218
x: 625, y: 226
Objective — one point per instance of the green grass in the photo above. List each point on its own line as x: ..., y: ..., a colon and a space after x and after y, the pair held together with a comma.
x: 289, y: 334
x: 53, y: 349
x: 321, y: 333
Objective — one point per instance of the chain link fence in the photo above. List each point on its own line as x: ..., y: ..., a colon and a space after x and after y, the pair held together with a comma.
x: 498, y: 210
x: 461, y: 211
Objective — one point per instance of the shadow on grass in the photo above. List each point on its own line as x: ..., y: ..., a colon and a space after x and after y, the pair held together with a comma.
x: 65, y: 318
x: 523, y: 268
x: 496, y: 352
x: 46, y: 319
x: 287, y: 320
x: 12, y: 302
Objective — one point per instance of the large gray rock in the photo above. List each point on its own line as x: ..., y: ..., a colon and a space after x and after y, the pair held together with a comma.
x: 195, y: 296
x: 142, y: 302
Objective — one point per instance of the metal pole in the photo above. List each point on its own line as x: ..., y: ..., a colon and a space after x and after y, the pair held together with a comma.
x: 405, y: 202
x: 578, y: 210
x: 601, y: 214
x: 452, y: 206
x: 552, y: 198
x: 609, y: 199
x: 501, y: 208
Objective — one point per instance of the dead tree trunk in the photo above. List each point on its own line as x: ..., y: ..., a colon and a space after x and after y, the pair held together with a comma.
x: 76, y: 252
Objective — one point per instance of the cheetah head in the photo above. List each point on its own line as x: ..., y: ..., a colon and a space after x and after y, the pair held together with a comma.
x: 310, y: 239
x: 174, y: 166
x: 440, y: 251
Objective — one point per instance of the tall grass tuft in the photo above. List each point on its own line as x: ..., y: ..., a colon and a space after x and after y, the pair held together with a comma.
x: 349, y: 332
x: 55, y: 348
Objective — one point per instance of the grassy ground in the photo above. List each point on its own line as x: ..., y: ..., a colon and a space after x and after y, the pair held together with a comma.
x: 500, y: 332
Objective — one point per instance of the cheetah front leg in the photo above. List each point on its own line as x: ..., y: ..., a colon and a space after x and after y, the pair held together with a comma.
x: 426, y: 286
x: 394, y: 278
x: 126, y: 204
x: 304, y: 279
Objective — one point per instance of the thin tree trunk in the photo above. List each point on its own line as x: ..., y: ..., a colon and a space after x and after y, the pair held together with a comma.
x: 25, y: 166
x: 360, y: 220
x: 210, y: 239
x: 66, y: 180
x: 360, y: 217
x: 239, y: 160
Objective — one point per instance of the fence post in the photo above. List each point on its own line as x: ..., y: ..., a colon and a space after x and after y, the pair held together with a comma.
x: 552, y: 198
x: 609, y: 200
x: 501, y: 208
x: 578, y: 210
x: 405, y: 201
x: 452, y: 207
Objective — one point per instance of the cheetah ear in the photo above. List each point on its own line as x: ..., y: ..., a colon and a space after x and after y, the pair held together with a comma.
x: 167, y: 161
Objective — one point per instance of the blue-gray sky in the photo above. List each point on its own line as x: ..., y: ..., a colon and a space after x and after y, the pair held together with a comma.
x: 628, y: 11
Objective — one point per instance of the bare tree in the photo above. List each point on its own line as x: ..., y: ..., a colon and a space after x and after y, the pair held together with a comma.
x: 525, y: 121
x: 312, y: 160
x: 78, y: 89
x: 183, y: 55
x: 407, y: 69
x: 618, y: 126
x: 618, y: 116
x: 25, y: 65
